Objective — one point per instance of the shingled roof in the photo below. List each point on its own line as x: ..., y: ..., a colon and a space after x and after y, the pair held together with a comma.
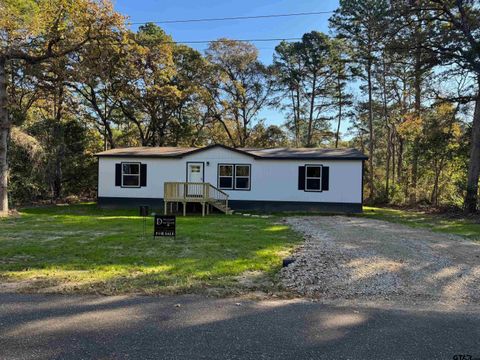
x: 272, y: 154
x: 148, y: 151
x: 307, y: 153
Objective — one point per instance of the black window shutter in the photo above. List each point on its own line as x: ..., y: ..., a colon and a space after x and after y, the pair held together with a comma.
x: 325, y: 178
x: 143, y: 174
x: 301, y: 178
x: 118, y: 174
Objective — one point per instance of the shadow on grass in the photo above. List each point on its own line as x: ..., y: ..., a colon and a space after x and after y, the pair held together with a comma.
x: 90, y: 248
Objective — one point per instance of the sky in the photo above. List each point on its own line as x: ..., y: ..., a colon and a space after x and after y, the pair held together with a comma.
x: 283, y: 27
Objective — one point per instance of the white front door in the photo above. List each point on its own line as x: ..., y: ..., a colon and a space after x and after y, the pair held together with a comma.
x: 195, y: 172
x: 195, y: 175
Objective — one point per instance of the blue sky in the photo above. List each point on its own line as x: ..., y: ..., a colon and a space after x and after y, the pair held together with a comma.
x: 286, y: 27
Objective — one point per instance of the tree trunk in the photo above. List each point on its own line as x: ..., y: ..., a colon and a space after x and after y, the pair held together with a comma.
x: 387, y: 126
x: 340, y: 102
x: 110, y: 136
x: 415, y: 150
x: 312, y: 109
x: 298, y: 116
x: 295, y: 118
x: 58, y: 179
x: 59, y: 139
x: 392, y: 142
x: 370, y: 130
x: 387, y: 166
x: 436, y: 176
x: 400, y: 175
x: 413, y: 186
x: 4, y: 131
x: 437, y: 172
x: 105, y: 147
x: 246, y: 121
x: 417, y: 84
x: 471, y: 197
x: 59, y: 159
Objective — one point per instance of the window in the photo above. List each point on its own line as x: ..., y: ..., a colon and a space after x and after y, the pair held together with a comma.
x: 225, y: 176
x: 242, y: 177
x: 313, y: 178
x: 234, y: 176
x: 131, y: 174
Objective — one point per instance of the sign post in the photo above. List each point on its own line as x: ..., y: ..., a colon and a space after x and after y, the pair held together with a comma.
x: 165, y: 225
x: 144, y: 210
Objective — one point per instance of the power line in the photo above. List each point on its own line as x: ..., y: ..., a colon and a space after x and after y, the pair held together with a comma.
x: 234, y: 18
x: 173, y: 42
x: 227, y: 40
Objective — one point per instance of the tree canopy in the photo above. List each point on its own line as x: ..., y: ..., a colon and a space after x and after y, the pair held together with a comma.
x: 400, y: 80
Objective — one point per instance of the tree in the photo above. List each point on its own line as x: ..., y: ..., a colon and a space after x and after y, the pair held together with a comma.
x: 288, y: 67
x: 408, y: 39
x: 96, y: 79
x: 35, y: 31
x: 341, y: 73
x: 192, y: 116
x: 363, y: 24
x: 149, y: 96
x: 244, y: 87
x: 440, y: 143
x: 315, y: 50
x: 456, y: 38
x: 268, y: 136
x: 311, y: 74
x: 57, y: 105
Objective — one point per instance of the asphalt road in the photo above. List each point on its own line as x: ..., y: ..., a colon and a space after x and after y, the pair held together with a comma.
x: 89, y: 327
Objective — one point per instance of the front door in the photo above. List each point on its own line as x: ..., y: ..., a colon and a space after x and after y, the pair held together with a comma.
x: 195, y: 175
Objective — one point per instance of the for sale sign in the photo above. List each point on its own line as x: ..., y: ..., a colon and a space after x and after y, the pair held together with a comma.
x: 165, y: 225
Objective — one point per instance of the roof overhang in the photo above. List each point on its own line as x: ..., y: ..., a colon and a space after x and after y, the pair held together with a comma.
x: 184, y: 152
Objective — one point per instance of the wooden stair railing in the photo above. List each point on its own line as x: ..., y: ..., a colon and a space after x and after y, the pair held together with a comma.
x: 204, y: 193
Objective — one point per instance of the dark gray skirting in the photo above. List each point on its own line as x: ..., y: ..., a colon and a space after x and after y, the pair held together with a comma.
x: 273, y: 206
x: 245, y: 205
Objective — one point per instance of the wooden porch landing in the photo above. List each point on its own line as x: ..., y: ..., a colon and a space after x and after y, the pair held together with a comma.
x: 195, y: 192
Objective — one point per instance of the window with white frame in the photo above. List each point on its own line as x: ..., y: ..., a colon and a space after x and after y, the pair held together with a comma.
x: 130, y: 174
x: 242, y: 177
x: 313, y: 178
x: 234, y: 176
x: 225, y: 176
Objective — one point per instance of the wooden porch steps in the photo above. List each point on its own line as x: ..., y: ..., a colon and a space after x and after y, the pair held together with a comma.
x: 195, y: 192
x: 220, y: 206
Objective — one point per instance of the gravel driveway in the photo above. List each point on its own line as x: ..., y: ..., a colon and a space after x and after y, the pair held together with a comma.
x: 359, y: 258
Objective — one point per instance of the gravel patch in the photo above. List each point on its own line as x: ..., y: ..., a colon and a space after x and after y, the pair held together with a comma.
x: 358, y: 258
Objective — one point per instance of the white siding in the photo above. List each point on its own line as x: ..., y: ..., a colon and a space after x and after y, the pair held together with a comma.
x: 273, y: 180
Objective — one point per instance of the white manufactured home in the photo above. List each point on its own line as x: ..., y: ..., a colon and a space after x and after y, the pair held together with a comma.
x: 217, y: 176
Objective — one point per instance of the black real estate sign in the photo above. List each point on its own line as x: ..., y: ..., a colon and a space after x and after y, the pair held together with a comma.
x: 165, y: 225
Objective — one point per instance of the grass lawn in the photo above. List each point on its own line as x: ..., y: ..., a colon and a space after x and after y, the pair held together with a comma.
x: 84, y: 249
x: 467, y: 228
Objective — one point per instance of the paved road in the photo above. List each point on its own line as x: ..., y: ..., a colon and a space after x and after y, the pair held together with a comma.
x: 88, y: 327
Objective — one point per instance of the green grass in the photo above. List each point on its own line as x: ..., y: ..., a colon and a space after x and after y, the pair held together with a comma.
x: 467, y: 228
x: 82, y: 248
